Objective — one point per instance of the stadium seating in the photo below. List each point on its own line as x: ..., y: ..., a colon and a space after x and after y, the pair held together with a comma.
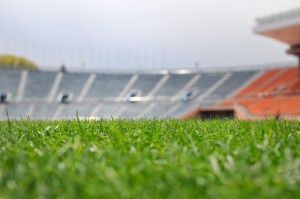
x: 231, y: 84
x: 183, y: 108
x: 72, y: 83
x: 133, y: 110
x: 71, y: 110
x: 174, y: 83
x: 9, y: 81
x: 106, y: 95
x: 146, y: 82
x: 159, y: 110
x: 263, y: 79
x: 108, y: 85
x: 43, y: 110
x: 276, y: 91
x: 107, y: 110
x: 38, y: 85
x: 206, y: 80
x: 16, y: 110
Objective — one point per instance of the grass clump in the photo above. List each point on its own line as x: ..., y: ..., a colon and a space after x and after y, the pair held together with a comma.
x: 149, y: 159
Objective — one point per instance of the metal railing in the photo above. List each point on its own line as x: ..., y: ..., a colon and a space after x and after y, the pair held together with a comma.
x: 291, y: 14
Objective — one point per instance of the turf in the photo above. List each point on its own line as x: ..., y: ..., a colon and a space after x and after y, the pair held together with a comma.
x: 149, y: 159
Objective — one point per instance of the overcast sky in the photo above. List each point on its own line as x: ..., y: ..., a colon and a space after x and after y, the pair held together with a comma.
x: 150, y: 34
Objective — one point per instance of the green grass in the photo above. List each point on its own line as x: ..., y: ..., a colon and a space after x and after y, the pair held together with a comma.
x: 149, y: 159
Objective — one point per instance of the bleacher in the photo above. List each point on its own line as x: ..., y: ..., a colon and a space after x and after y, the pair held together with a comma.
x: 158, y: 110
x: 276, y: 91
x: 234, y: 81
x: 71, y: 110
x: 38, y: 85
x: 43, y: 110
x: 183, y: 108
x: 146, y: 82
x: 108, y: 86
x: 15, y: 110
x: 106, y: 95
x: 72, y: 83
x: 205, y: 81
x: 107, y: 110
x: 173, y: 84
x: 9, y: 81
x: 133, y: 110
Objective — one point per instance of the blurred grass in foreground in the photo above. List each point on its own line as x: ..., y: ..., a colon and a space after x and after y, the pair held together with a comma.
x: 149, y: 159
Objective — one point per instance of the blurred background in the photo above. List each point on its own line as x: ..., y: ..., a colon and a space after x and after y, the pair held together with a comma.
x: 91, y: 35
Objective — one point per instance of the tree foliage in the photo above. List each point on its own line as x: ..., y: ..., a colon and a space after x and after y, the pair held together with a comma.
x: 16, y: 62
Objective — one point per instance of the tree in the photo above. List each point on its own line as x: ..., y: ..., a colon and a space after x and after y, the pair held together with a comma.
x: 16, y: 62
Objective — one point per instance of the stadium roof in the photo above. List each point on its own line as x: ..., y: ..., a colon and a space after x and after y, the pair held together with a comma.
x: 284, y: 26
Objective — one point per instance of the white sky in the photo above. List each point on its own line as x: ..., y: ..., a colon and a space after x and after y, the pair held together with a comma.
x: 152, y: 34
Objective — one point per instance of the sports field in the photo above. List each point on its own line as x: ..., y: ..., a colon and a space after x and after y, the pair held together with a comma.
x: 149, y: 159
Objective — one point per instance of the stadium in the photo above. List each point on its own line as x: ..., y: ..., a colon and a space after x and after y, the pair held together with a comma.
x: 177, y: 133
x: 250, y: 93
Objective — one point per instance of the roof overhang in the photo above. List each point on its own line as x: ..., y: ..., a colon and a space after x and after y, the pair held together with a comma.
x: 284, y: 27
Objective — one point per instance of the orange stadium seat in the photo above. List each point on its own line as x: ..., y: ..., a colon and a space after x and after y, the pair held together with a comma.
x: 275, y: 91
x: 257, y: 83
